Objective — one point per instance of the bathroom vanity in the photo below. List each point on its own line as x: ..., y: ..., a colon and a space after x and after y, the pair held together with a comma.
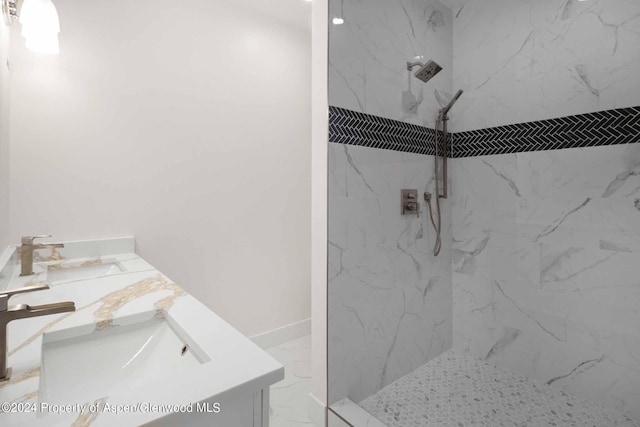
x: 138, y: 349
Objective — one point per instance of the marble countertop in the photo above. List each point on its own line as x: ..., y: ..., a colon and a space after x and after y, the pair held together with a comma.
x: 139, y: 293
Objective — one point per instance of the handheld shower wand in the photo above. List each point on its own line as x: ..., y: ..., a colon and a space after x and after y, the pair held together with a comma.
x: 443, y: 112
x: 441, y: 122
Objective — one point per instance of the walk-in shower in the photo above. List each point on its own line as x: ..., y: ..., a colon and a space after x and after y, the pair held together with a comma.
x: 527, y: 313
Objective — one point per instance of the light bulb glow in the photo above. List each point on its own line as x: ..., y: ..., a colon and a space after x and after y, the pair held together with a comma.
x: 338, y: 21
x: 40, y: 26
x: 43, y: 43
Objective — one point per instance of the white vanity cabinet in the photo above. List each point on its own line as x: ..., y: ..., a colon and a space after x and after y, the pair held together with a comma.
x: 239, y: 410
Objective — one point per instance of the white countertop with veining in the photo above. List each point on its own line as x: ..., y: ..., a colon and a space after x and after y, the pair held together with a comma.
x: 140, y: 293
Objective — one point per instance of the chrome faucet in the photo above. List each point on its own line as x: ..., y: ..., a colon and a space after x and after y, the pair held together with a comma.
x: 26, y: 252
x: 22, y: 311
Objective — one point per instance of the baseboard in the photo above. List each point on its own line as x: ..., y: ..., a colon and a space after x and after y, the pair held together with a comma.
x: 282, y: 335
x: 317, y: 411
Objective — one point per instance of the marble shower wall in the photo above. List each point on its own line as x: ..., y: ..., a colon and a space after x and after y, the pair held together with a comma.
x: 545, y: 256
x: 390, y: 303
x: 546, y: 244
x: 368, y: 57
x: 520, y: 61
x: 390, y: 306
x: 546, y: 248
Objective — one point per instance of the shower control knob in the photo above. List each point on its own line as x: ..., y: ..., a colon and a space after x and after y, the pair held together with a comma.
x: 409, y: 202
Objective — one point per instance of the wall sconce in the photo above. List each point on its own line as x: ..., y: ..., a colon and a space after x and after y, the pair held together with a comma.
x: 9, y: 11
x: 40, y: 23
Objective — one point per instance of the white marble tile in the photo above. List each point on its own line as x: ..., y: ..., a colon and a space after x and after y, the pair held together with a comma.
x: 368, y: 57
x: 389, y: 298
x: 288, y: 399
x: 532, y: 60
x: 545, y: 248
x: 385, y: 286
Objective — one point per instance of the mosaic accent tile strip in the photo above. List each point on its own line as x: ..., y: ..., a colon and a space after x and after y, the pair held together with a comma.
x: 454, y: 390
x: 353, y: 128
x: 610, y: 127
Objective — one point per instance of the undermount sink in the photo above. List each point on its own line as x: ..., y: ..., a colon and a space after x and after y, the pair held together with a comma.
x: 88, y: 269
x: 95, y: 365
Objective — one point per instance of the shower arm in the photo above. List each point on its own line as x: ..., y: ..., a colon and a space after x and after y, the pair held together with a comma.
x: 412, y: 65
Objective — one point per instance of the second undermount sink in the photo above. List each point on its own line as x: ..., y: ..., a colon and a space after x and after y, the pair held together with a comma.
x: 85, y: 270
x: 88, y: 367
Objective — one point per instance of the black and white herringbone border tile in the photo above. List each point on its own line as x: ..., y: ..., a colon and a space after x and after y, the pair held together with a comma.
x: 353, y: 128
x: 610, y: 127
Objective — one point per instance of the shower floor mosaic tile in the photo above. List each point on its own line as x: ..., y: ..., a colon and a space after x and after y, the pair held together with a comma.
x: 453, y: 390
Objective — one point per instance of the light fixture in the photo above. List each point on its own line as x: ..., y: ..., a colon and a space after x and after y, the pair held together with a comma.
x: 40, y: 23
x: 9, y: 11
x: 338, y: 21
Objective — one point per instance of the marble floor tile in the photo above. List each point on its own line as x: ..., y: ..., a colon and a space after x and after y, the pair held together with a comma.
x: 455, y: 390
x: 289, y: 398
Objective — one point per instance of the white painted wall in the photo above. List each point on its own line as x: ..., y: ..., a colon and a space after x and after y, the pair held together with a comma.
x: 186, y: 125
x: 4, y: 135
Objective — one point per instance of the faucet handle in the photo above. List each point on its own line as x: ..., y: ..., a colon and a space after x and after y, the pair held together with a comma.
x: 28, y: 240
x: 33, y: 288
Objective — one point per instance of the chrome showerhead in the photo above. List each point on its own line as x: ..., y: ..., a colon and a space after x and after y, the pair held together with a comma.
x: 427, y: 71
